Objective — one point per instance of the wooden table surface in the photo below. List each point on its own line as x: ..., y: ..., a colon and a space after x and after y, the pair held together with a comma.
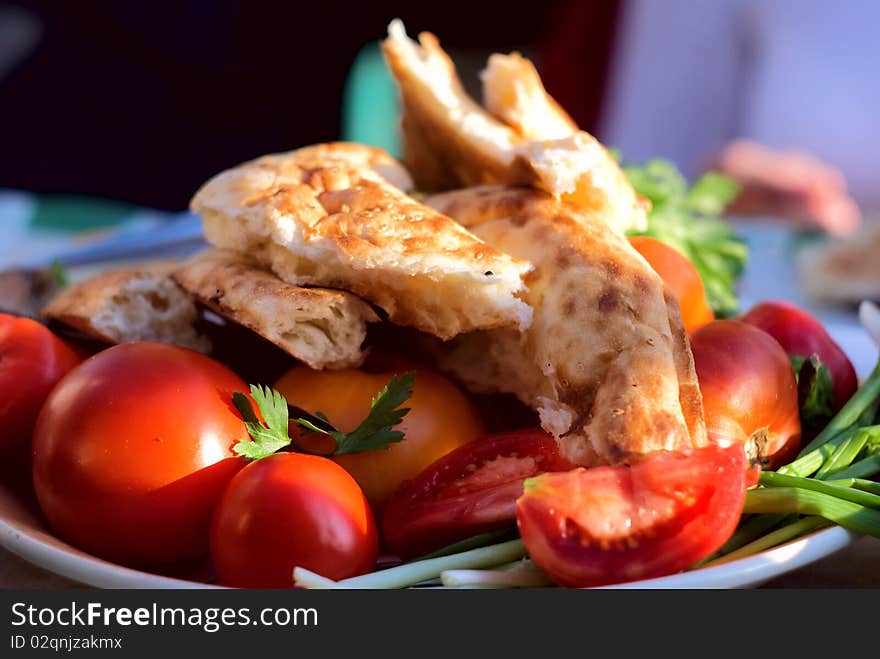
x: 855, y: 566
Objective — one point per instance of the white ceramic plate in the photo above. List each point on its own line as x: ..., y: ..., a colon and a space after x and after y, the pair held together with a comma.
x: 23, y: 532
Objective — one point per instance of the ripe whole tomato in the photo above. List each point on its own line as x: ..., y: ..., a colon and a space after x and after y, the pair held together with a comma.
x: 32, y: 361
x: 749, y: 390
x: 292, y: 510
x: 441, y: 418
x: 799, y: 333
x: 133, y: 449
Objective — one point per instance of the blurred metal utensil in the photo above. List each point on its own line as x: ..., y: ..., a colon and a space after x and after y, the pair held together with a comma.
x: 149, y: 235
x: 26, y: 285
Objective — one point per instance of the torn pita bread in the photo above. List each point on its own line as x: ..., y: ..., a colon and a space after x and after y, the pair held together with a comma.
x: 606, y: 362
x: 513, y: 92
x: 524, y: 137
x: 334, y: 215
x: 322, y: 327
x: 130, y: 304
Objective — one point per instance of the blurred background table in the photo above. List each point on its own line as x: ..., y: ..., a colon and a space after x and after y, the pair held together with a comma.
x: 39, y: 226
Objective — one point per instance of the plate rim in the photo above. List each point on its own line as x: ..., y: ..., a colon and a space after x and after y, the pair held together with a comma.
x: 89, y: 570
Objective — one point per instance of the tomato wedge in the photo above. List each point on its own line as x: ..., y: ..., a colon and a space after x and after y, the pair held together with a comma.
x: 591, y: 527
x: 471, y: 490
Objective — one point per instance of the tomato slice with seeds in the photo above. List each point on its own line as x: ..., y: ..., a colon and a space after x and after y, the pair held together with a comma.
x: 473, y: 489
x: 592, y: 527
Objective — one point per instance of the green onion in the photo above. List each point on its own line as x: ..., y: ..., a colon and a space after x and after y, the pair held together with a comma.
x: 749, y: 530
x: 480, y: 540
x: 777, y: 537
x: 307, y: 579
x: 847, y: 514
x: 849, y: 413
x: 521, y: 574
x: 845, y: 453
x: 847, y: 493
x: 857, y: 483
x: 861, y: 469
x: 869, y: 416
x: 809, y: 463
x: 410, y: 574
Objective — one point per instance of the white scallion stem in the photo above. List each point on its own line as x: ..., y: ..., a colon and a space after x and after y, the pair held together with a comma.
x: 522, y: 574
x: 410, y: 574
x: 304, y: 578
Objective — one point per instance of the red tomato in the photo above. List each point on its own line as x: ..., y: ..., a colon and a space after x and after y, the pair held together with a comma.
x: 133, y: 449
x: 292, y: 510
x: 749, y: 390
x: 682, y: 278
x: 441, y: 418
x: 799, y: 333
x: 32, y: 361
x: 591, y: 527
x: 471, y: 490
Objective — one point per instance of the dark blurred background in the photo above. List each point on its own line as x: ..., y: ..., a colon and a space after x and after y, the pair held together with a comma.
x: 143, y: 101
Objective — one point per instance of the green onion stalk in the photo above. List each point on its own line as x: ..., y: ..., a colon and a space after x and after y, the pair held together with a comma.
x: 827, y: 482
x: 410, y: 574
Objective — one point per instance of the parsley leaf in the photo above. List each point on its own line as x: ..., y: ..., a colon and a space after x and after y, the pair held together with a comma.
x: 266, y: 438
x: 815, y: 390
x: 373, y: 433
x: 688, y: 218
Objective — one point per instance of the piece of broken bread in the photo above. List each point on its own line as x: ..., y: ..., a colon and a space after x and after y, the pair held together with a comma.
x: 606, y: 361
x: 333, y: 215
x: 322, y: 327
x: 522, y: 136
x: 123, y: 305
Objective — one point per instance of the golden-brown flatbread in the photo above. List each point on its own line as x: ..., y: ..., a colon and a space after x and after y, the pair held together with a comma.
x: 524, y: 137
x: 513, y: 92
x: 334, y: 215
x: 606, y: 361
x: 322, y: 327
x: 124, y: 305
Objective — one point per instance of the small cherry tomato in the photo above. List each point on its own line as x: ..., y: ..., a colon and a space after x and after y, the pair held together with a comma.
x: 441, y: 418
x: 604, y: 525
x: 133, y: 449
x: 32, y: 361
x: 292, y: 510
x: 471, y: 490
x: 799, y: 333
x: 682, y: 278
x: 749, y: 390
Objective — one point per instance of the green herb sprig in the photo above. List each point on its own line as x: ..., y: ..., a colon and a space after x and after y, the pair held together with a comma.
x: 688, y: 218
x: 375, y: 432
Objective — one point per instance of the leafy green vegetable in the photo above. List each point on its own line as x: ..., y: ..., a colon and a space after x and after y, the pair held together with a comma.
x: 815, y: 390
x: 688, y: 219
x: 373, y: 433
x: 265, y: 439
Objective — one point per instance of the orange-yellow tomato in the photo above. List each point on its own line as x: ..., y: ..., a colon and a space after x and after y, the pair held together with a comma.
x: 680, y: 276
x: 441, y: 418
